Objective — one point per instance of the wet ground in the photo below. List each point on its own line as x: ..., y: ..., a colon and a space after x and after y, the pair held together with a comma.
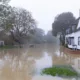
x: 27, y: 63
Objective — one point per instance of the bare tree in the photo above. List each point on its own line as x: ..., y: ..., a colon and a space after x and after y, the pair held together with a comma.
x: 23, y: 25
x: 17, y: 22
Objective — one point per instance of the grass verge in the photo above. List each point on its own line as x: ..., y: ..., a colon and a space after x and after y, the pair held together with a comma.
x: 7, y: 47
x: 62, y: 71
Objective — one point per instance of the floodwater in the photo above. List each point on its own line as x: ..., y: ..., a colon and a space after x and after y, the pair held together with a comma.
x: 27, y: 63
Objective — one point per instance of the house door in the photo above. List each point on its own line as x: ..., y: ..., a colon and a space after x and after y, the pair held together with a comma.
x: 71, y: 40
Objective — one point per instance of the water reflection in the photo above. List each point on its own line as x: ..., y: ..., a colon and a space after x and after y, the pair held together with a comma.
x: 71, y: 57
x: 44, y: 62
x: 16, y: 67
x: 26, y: 64
x: 45, y: 77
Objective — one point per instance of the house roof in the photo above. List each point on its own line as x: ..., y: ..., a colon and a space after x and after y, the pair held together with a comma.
x: 73, y: 27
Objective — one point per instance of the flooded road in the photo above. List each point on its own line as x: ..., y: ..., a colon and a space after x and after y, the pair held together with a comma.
x: 26, y: 64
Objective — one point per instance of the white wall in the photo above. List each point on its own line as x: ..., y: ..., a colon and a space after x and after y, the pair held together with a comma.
x: 75, y: 35
x: 70, y: 35
x: 78, y: 26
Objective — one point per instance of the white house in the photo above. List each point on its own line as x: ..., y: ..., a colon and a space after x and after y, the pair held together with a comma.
x: 72, y: 37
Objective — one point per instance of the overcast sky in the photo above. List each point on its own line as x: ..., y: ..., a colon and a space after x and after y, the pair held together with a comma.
x: 44, y: 11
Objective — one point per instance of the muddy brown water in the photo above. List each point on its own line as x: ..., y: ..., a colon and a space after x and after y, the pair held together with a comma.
x: 27, y: 63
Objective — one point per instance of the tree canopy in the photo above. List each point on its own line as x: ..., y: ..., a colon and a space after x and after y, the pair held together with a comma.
x: 16, y: 22
x: 38, y: 35
x: 62, y: 22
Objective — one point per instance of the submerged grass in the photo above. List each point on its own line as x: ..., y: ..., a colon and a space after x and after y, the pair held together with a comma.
x: 63, y: 71
x: 7, y: 47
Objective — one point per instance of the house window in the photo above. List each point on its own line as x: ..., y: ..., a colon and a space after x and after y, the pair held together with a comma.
x: 78, y: 40
x: 71, y: 40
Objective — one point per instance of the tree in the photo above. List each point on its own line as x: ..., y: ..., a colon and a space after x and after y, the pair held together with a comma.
x: 38, y: 36
x: 16, y: 22
x: 62, y: 22
x: 23, y: 26
x: 50, y: 38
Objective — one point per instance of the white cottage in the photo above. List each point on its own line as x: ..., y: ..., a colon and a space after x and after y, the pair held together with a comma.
x: 72, y: 37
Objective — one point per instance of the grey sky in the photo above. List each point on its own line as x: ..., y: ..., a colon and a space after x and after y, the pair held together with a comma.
x: 44, y: 11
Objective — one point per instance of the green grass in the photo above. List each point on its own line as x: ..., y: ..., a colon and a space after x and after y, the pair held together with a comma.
x: 7, y: 47
x: 63, y: 71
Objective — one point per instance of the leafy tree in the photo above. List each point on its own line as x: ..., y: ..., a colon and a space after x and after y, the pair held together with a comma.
x: 62, y: 22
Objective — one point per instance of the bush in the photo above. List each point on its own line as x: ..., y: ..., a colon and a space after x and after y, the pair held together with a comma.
x: 66, y: 45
